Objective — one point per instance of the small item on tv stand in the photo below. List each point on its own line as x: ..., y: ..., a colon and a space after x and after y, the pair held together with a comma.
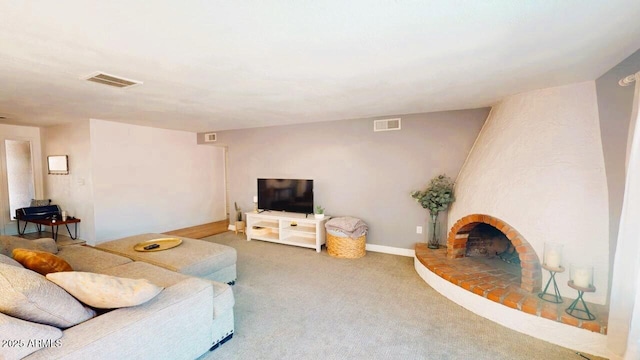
x: 259, y: 231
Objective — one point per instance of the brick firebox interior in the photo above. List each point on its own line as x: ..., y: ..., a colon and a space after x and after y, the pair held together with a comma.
x: 531, y: 275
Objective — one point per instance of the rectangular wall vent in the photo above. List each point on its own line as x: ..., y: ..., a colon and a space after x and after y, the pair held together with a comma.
x: 210, y: 137
x: 386, y: 124
x: 112, y: 80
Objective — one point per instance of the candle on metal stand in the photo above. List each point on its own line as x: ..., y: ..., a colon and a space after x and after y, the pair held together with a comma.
x: 581, y: 276
x: 552, y: 254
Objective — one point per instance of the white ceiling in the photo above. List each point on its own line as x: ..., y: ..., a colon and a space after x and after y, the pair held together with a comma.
x: 216, y: 65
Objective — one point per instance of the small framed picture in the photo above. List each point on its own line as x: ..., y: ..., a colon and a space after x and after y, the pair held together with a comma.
x: 58, y: 164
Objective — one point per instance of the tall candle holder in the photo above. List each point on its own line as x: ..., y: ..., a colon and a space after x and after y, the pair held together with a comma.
x: 255, y: 204
x: 582, y: 280
x: 551, y: 261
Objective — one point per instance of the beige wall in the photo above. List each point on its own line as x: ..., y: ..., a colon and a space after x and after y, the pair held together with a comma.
x: 127, y: 179
x: 356, y: 171
x: 538, y: 166
x: 151, y: 180
x: 73, y: 192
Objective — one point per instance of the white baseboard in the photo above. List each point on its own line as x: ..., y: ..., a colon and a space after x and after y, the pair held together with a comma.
x: 390, y: 250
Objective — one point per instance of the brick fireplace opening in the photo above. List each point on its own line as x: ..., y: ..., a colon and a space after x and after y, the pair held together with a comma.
x: 492, y: 241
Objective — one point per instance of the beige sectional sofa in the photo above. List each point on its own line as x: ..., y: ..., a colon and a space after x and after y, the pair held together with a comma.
x: 190, y: 316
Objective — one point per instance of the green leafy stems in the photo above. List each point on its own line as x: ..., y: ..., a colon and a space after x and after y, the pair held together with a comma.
x: 437, y: 196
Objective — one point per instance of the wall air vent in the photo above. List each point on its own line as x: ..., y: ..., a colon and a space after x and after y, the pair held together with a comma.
x: 112, y: 80
x: 210, y: 137
x: 386, y: 124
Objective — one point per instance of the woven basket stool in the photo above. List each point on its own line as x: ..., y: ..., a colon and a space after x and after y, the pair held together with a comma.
x: 346, y: 247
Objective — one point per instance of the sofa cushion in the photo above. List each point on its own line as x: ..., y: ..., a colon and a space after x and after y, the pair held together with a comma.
x: 193, y: 257
x: 21, y: 338
x: 29, y: 296
x: 9, y: 261
x: 222, y: 293
x: 105, y: 291
x: 8, y: 243
x: 176, y: 324
x: 89, y: 259
x: 40, y: 261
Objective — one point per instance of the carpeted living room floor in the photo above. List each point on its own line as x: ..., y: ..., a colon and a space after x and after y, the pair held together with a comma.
x: 294, y: 303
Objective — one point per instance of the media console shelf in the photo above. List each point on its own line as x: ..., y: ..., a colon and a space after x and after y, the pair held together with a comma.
x: 278, y: 227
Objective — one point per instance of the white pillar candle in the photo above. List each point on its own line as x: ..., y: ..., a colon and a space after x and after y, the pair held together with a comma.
x: 552, y: 254
x: 581, y: 278
x: 553, y: 258
x: 255, y: 199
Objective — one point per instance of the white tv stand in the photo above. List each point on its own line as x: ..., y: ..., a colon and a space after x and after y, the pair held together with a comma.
x: 287, y: 228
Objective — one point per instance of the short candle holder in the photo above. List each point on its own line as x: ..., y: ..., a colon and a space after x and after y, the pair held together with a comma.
x: 555, y: 298
x: 581, y: 280
x: 552, y: 257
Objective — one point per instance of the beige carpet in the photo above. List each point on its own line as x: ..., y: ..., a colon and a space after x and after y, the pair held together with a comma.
x: 293, y: 303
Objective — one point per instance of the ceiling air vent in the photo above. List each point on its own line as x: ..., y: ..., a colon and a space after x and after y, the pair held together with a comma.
x: 112, y: 80
x: 386, y: 124
x: 210, y: 137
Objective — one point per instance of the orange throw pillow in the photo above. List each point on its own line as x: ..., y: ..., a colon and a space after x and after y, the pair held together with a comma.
x: 40, y: 261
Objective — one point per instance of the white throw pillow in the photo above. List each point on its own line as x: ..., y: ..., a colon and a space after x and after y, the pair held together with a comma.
x: 105, y: 291
x: 27, y: 295
x: 21, y: 338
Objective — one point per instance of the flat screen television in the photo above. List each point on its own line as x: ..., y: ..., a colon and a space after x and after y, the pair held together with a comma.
x: 292, y: 195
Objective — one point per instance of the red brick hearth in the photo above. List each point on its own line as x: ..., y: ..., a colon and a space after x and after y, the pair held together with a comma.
x: 498, y: 286
x: 531, y: 274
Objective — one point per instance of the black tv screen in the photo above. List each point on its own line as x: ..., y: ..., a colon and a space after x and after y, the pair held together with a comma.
x: 292, y: 195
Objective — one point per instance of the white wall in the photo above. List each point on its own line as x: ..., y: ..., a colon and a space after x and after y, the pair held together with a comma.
x: 150, y: 180
x: 73, y: 192
x: 14, y: 132
x: 538, y: 165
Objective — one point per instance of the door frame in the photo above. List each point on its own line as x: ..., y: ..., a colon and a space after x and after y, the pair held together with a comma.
x: 7, y: 224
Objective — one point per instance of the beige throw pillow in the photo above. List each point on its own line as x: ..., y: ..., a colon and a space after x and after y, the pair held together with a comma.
x: 105, y: 291
x: 29, y: 296
x: 9, y: 261
x: 21, y: 338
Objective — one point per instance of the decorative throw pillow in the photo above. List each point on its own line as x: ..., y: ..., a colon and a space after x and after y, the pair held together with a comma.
x: 8, y: 243
x: 24, y: 337
x: 9, y: 261
x: 29, y: 296
x: 40, y: 261
x: 105, y: 291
